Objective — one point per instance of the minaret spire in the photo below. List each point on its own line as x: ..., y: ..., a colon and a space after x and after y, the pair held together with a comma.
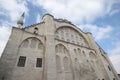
x: 20, y: 21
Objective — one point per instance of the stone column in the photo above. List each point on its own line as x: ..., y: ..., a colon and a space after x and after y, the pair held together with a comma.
x: 50, y: 57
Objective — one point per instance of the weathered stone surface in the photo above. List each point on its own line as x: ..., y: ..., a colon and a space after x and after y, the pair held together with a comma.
x: 67, y: 53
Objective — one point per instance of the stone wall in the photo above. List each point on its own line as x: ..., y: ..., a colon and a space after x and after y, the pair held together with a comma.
x: 54, y: 49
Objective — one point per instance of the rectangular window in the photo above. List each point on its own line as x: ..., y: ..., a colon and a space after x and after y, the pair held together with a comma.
x: 21, y: 62
x: 39, y: 62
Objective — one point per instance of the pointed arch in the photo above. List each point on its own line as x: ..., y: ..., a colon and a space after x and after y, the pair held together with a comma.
x: 32, y: 56
x: 60, y: 48
x: 25, y: 43
x: 32, y: 42
x: 92, y: 56
x: 63, y: 63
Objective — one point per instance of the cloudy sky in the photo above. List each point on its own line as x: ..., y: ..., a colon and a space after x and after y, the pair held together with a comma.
x: 100, y: 17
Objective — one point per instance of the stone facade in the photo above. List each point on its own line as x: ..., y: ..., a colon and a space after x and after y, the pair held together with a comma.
x: 54, y: 49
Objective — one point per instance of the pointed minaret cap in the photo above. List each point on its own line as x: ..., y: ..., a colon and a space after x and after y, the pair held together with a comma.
x: 20, y: 21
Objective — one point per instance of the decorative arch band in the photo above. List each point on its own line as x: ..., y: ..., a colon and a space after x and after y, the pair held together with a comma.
x: 71, y: 35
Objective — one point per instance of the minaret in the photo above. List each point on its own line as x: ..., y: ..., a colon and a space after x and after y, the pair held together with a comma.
x: 20, y: 21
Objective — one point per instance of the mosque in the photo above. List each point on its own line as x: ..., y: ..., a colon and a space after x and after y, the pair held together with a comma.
x: 54, y: 49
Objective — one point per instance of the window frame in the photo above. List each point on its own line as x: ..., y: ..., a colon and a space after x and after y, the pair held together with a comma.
x: 39, y: 62
x: 21, y: 61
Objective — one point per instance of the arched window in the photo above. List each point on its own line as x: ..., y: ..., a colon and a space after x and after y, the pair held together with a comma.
x: 79, y: 51
x: 58, y: 63
x: 33, y: 43
x: 35, y: 30
x: 57, y: 35
x: 92, y: 56
x: 63, y: 66
x: 62, y: 34
x: 77, y: 41
x: 25, y: 43
x: 57, y: 49
x: 40, y: 46
x: 72, y: 38
x: 65, y: 50
x: 83, y: 53
x: 66, y: 64
x: 60, y: 49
